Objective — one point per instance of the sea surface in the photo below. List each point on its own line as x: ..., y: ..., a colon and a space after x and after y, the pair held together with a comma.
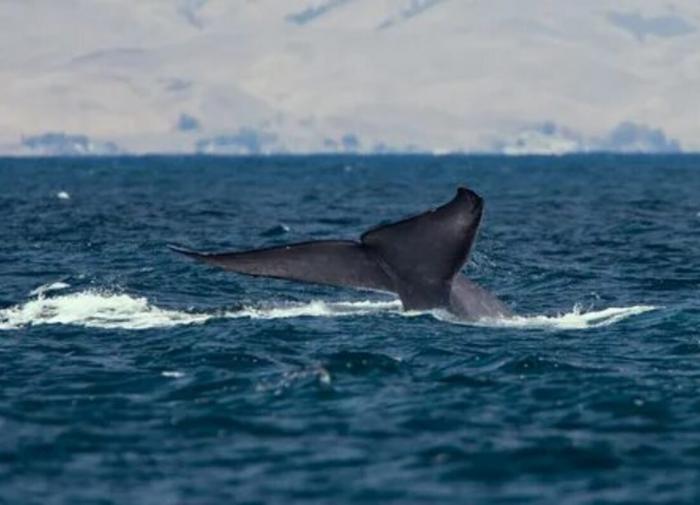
x: 132, y: 375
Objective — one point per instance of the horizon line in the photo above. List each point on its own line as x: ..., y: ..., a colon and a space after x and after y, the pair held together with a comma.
x: 418, y: 154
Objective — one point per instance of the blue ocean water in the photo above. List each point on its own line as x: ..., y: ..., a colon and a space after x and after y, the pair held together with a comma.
x: 129, y: 374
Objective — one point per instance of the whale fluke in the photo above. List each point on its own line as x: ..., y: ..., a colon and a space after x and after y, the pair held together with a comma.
x: 423, y: 253
x: 418, y: 258
x: 333, y: 262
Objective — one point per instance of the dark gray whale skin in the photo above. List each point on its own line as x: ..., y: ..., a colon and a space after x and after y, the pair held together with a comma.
x: 470, y: 301
x: 419, y: 259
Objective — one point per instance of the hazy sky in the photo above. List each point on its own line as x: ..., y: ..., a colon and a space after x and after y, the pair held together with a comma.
x: 348, y: 75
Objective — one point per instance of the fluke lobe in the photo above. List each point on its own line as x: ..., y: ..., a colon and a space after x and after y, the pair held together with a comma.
x: 418, y: 258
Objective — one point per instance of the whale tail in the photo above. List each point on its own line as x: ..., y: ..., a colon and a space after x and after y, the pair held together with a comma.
x: 333, y: 262
x: 416, y: 258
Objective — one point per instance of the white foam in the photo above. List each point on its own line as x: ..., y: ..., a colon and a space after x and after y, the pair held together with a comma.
x: 319, y: 308
x: 63, y: 195
x: 100, y: 309
x: 576, y: 319
x: 96, y: 309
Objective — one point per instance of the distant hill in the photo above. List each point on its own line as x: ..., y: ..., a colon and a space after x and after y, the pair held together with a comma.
x: 273, y: 76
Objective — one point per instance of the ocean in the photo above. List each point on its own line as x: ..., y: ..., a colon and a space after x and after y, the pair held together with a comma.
x: 132, y: 375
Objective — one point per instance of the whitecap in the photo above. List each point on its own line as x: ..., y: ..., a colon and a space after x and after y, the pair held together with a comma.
x: 63, y: 195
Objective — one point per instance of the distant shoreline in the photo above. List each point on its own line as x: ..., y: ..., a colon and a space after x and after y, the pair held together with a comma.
x: 417, y: 155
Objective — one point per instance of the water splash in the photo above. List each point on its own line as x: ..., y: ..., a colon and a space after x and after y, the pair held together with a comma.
x: 103, y: 309
x: 96, y: 310
x: 45, y: 288
x: 576, y: 319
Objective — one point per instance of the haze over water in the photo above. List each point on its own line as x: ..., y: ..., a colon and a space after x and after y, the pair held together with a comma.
x: 129, y: 374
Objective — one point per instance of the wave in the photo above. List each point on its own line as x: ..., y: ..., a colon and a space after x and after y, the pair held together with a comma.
x: 104, y: 309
